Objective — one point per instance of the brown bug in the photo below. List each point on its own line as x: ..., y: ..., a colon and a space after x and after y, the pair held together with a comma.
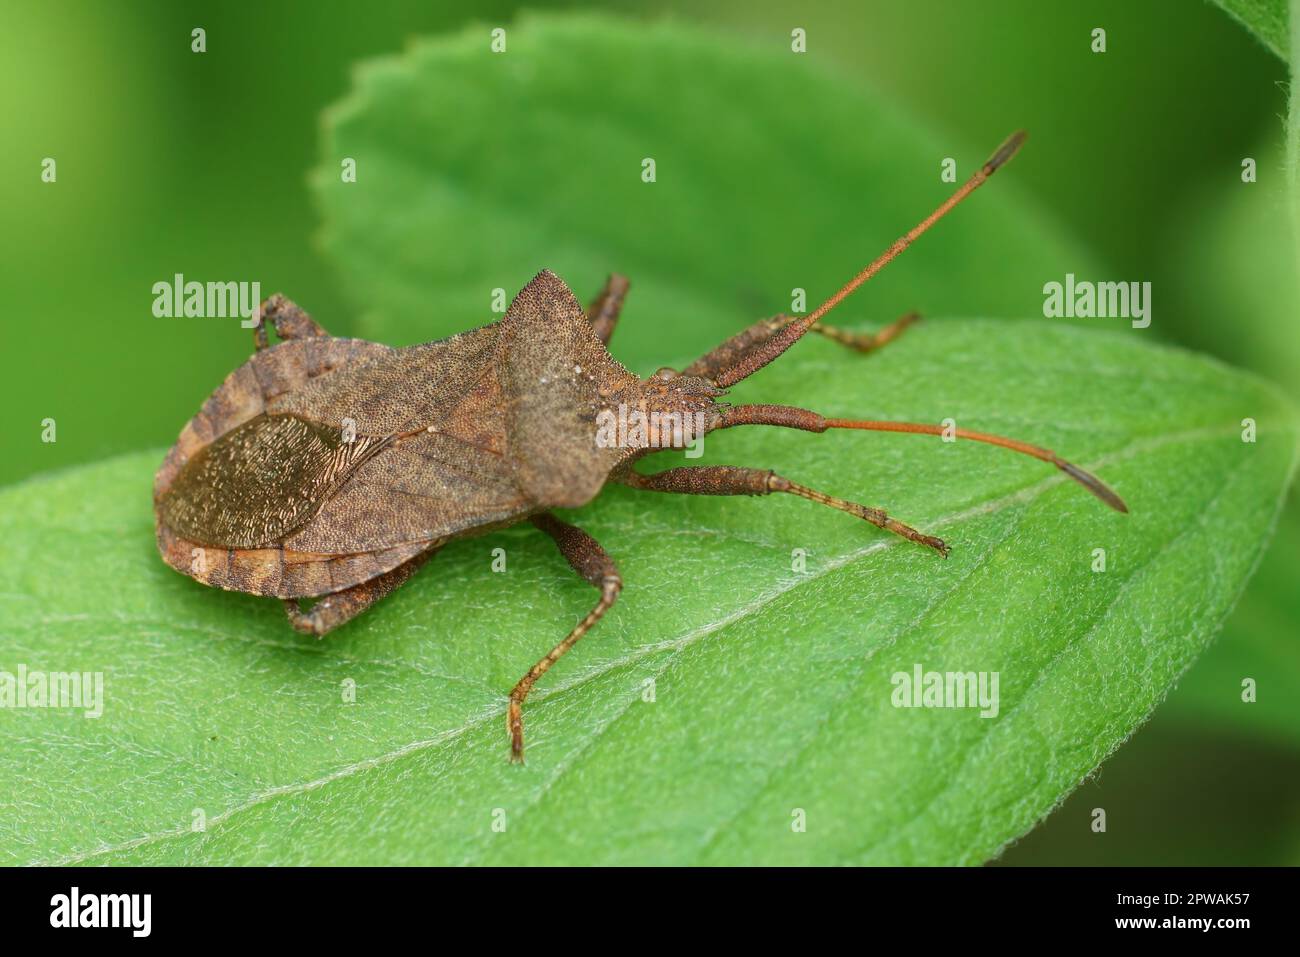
x: 333, y: 468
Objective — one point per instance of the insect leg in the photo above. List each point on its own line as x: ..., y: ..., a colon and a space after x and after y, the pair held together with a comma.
x: 342, y: 606
x: 868, y: 341
x: 590, y: 561
x: 730, y: 480
x: 290, y: 321
x: 604, y: 309
x: 750, y: 347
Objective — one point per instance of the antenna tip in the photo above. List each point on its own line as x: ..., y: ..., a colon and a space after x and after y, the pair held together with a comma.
x: 1093, y: 484
x: 1004, y: 152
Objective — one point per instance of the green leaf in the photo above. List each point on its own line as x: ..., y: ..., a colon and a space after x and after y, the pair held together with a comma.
x: 1293, y: 123
x: 1257, y: 644
x: 1244, y: 250
x: 1266, y: 19
x: 475, y: 170
x: 1166, y: 784
x: 1276, y: 24
x: 772, y: 687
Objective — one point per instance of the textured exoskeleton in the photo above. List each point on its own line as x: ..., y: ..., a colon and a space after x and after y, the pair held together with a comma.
x: 332, y: 468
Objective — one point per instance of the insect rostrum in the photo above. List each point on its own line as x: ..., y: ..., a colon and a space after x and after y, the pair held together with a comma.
x: 333, y: 468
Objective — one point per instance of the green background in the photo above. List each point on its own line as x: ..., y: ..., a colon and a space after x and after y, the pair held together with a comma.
x: 174, y: 162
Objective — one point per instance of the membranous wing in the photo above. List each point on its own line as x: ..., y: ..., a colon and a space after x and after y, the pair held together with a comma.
x: 422, y: 487
x: 260, y: 480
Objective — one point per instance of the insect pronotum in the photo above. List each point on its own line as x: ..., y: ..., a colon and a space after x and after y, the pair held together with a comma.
x: 333, y: 468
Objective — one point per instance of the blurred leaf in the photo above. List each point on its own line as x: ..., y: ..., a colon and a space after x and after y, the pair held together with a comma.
x: 1178, y: 796
x: 1276, y: 23
x: 475, y: 170
x: 1258, y: 643
x: 1266, y: 19
x: 1293, y: 123
x: 1238, y: 253
x: 772, y: 687
x: 1239, y: 256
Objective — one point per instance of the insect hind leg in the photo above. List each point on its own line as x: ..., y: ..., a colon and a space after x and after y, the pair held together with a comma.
x: 337, y: 609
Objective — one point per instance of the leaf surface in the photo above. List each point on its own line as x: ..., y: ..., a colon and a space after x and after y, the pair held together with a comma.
x: 772, y: 687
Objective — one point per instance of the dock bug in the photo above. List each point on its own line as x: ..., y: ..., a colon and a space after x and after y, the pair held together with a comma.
x: 333, y: 468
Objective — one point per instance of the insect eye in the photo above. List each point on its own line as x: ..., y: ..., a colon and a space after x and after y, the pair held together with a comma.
x: 664, y: 374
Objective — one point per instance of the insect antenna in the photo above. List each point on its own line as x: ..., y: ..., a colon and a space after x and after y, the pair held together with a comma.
x: 795, y: 418
x: 999, y: 158
x: 748, y: 351
x: 742, y: 356
x: 1089, y: 481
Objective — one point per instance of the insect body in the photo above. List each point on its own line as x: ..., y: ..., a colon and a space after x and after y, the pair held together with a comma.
x: 333, y: 468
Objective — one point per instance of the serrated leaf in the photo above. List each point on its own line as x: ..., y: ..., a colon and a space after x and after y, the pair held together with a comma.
x: 772, y: 687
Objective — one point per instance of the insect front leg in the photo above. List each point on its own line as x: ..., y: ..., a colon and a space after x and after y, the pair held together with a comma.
x: 342, y: 606
x: 289, y: 319
x: 590, y: 561
x: 868, y: 341
x: 604, y: 309
x: 730, y: 480
x: 756, y: 346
